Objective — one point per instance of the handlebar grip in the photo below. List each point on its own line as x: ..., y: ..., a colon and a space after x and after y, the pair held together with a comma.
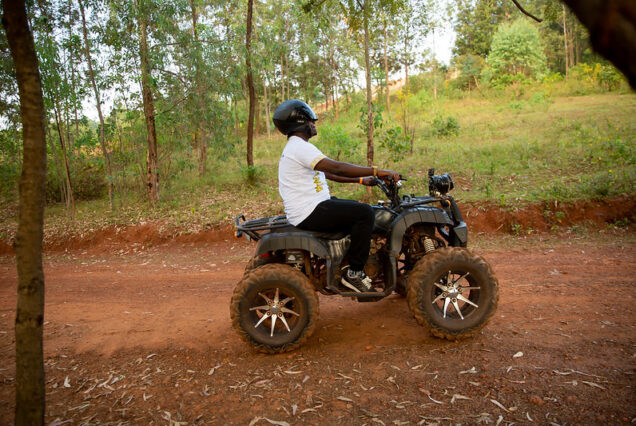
x: 236, y: 220
x: 238, y: 233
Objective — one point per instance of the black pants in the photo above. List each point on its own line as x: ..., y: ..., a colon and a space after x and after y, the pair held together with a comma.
x: 348, y: 216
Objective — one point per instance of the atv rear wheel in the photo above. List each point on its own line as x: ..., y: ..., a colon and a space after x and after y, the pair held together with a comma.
x: 258, y: 261
x: 274, y: 308
x: 452, y: 291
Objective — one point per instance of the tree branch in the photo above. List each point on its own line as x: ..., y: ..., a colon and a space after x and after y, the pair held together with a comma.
x: 526, y: 12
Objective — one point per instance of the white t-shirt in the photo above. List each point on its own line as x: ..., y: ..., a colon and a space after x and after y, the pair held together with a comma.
x: 301, y: 187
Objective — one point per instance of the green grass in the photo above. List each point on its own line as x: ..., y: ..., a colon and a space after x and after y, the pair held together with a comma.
x: 512, y: 150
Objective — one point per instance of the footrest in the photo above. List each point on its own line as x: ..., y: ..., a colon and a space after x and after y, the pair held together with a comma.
x: 368, y: 296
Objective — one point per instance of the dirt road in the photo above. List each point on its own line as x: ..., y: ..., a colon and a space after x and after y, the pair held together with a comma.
x: 142, y: 336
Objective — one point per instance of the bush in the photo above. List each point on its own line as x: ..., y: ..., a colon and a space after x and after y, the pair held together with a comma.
x: 88, y: 182
x: 251, y: 174
x: 396, y: 143
x: 335, y: 142
x: 601, y: 75
x: 448, y: 126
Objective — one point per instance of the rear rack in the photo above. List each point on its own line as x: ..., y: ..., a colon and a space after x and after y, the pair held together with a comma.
x: 252, y: 227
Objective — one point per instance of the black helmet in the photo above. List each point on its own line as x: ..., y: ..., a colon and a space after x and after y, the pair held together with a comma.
x: 292, y: 116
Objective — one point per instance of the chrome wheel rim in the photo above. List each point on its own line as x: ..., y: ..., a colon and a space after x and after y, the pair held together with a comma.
x: 456, y: 290
x: 275, y: 309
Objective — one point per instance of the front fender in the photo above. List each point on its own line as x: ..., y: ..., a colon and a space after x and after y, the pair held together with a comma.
x: 423, y: 214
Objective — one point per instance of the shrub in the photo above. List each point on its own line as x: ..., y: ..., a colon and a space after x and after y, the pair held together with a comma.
x: 395, y: 142
x: 448, y: 126
x: 251, y: 174
x: 335, y: 142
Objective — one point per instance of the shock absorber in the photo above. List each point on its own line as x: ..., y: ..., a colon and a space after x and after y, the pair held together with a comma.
x: 428, y: 245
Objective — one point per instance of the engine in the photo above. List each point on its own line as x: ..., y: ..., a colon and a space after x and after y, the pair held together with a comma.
x: 374, y: 267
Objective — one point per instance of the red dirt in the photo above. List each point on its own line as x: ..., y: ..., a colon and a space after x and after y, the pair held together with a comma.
x: 143, y: 335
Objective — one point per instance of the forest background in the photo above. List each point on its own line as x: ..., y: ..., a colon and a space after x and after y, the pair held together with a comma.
x: 524, y: 113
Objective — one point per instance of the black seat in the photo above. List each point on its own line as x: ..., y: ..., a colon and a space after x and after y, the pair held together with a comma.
x: 316, y: 234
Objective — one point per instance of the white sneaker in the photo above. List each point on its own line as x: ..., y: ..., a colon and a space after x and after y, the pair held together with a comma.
x: 356, y: 281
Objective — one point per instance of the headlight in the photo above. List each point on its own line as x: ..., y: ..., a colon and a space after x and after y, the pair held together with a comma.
x: 441, y: 184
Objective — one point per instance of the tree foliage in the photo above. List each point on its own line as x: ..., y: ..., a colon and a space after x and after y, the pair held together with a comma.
x: 517, y: 49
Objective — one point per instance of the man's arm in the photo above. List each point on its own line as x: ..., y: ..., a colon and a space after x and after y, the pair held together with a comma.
x: 335, y: 170
x: 367, y: 180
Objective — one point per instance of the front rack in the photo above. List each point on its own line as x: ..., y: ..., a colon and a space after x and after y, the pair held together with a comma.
x: 252, y: 227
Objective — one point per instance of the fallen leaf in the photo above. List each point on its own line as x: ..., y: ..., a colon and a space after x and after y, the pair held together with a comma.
x: 595, y: 385
x: 458, y: 396
x: 273, y: 422
x: 498, y: 404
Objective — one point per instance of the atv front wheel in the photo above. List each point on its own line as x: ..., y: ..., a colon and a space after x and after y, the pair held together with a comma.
x: 452, y: 291
x: 274, y: 308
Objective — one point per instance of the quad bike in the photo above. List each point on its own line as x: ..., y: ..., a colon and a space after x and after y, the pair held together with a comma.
x: 418, y: 250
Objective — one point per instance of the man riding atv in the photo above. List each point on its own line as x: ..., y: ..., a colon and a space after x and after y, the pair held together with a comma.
x: 302, y: 173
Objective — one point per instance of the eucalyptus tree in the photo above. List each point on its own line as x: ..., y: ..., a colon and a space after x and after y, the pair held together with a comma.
x: 250, y: 82
x: 93, y: 77
x: 132, y: 28
x: 55, y: 86
x: 359, y: 14
x: 30, y: 392
x: 475, y: 23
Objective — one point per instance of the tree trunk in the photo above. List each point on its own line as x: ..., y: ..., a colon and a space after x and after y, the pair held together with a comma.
x: 102, y: 133
x: 70, y: 200
x: 152, y: 179
x: 29, y: 375
x: 58, y: 167
x: 386, y: 72
x: 236, y: 118
x: 202, y: 145
x: 406, y: 64
x: 257, y: 115
x: 282, y: 79
x: 250, y: 84
x: 287, y: 78
x: 565, y: 43
x: 434, y: 68
x: 335, y: 97
x: 367, y: 63
x: 266, y: 102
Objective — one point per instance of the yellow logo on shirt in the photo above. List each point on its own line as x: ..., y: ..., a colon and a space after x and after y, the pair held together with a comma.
x: 317, y: 182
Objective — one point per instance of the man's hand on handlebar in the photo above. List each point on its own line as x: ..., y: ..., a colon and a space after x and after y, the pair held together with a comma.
x: 388, y: 175
x: 369, y: 181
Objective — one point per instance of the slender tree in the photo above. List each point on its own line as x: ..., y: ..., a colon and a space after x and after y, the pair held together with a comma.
x: 250, y: 83
x: 367, y: 74
x: 30, y: 310
x: 200, y: 135
x: 152, y: 179
x: 57, y: 92
x: 98, y: 102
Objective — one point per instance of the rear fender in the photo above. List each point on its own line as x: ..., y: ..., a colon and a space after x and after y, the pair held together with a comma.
x: 292, y: 241
x: 297, y: 241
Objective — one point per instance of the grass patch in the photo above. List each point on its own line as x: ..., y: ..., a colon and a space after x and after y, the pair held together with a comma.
x: 537, y: 148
